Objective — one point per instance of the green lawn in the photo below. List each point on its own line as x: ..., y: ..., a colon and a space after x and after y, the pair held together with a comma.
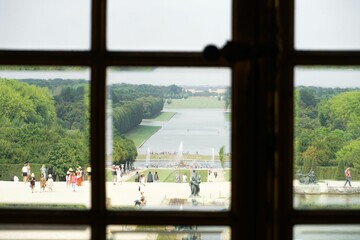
x: 163, y: 116
x: 196, y: 102
x: 141, y: 133
x: 168, y: 175
x: 185, y: 157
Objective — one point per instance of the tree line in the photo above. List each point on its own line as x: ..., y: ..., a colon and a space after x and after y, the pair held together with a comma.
x: 47, y: 121
x: 327, y: 129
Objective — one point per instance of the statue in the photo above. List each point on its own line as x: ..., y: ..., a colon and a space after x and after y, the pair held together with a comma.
x: 307, y: 178
x: 195, y: 181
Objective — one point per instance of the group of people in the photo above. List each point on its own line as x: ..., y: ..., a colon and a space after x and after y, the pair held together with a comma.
x: 74, y: 178
x: 29, y: 176
x: 177, y: 177
x: 141, y: 179
x: 116, y: 173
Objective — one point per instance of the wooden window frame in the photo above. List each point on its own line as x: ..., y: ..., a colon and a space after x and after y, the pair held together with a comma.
x: 98, y: 59
x: 288, y: 217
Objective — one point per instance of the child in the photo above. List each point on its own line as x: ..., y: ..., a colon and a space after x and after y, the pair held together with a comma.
x: 50, y: 183
x: 32, y: 182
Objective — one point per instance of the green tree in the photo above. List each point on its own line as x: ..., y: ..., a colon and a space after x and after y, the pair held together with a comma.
x: 26, y: 104
x: 350, y: 154
x: 339, y: 174
x: 310, y: 157
x: 124, y: 151
x: 222, y: 155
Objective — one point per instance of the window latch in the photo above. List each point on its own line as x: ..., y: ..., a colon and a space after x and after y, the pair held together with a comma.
x: 236, y: 51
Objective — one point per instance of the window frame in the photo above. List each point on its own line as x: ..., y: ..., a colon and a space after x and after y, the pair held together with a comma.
x: 98, y: 59
x: 290, y: 58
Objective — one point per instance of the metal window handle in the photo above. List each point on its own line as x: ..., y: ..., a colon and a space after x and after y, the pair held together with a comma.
x: 236, y: 51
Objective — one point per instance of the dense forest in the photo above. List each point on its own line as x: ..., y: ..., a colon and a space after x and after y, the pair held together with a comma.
x: 47, y: 121
x: 327, y: 129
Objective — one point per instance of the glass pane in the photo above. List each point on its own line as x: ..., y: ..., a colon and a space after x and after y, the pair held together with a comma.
x: 126, y: 232
x: 327, y: 133
x: 167, y: 25
x: 326, y: 232
x: 173, y: 126
x: 44, y: 137
x: 327, y: 25
x: 45, y: 25
x: 44, y: 232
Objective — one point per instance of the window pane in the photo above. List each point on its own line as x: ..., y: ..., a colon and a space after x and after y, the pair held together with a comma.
x: 45, y: 25
x: 327, y: 131
x: 167, y: 25
x: 44, y: 135
x: 174, y: 123
x: 44, y: 232
x: 327, y: 25
x: 121, y: 232
x: 326, y: 232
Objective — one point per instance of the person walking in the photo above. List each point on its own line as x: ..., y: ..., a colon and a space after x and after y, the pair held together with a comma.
x: 156, y: 177
x: 72, y: 179
x: 32, y: 182
x: 142, y: 184
x: 137, y: 177
x: 88, y: 172
x: 184, y: 178
x: 42, y: 183
x: 68, y: 180
x: 150, y: 177
x: 118, y: 175
x: 347, y: 177
x: 177, y: 177
x: 43, y: 170
x: 113, y: 173
x: 28, y: 169
x: 50, y: 183
x: 24, y: 171
x: 79, y: 176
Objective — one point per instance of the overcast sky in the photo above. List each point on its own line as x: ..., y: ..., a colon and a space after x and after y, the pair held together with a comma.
x: 178, y: 25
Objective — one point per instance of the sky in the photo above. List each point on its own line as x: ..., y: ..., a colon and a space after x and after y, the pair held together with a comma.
x: 175, y: 25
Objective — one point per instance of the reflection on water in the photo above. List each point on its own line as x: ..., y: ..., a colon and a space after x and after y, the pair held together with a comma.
x: 334, y: 201
x: 326, y: 232
x: 200, y: 131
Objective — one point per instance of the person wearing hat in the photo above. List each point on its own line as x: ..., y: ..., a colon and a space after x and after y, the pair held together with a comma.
x: 79, y: 177
x: 50, y: 183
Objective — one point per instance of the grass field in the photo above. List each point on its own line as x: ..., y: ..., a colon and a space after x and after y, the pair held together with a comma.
x: 196, y: 102
x: 168, y: 175
x: 141, y: 133
x: 163, y: 116
x: 185, y: 157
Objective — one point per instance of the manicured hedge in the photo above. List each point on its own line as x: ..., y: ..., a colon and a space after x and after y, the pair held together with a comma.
x: 8, y: 171
x: 330, y: 173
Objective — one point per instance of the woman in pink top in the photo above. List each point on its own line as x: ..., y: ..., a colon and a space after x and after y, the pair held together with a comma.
x: 72, y: 179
